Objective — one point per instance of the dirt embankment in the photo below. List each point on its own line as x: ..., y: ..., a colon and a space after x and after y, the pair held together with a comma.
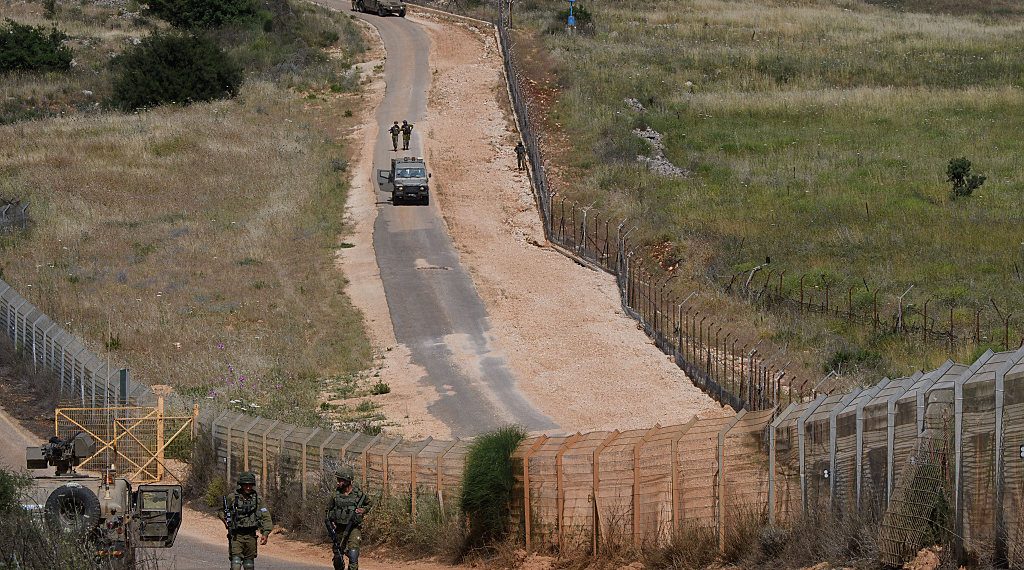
x: 575, y: 355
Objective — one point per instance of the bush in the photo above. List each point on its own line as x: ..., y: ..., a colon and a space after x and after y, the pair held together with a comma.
x: 32, y: 48
x: 202, y: 14
x: 958, y: 173
x: 487, y: 485
x: 171, y: 68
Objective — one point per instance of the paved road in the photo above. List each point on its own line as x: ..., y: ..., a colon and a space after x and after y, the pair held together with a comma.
x: 434, y: 306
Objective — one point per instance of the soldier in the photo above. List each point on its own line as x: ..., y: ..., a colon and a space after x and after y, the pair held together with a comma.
x: 345, y: 510
x: 406, y: 134
x: 244, y: 513
x: 521, y: 155
x: 395, y: 130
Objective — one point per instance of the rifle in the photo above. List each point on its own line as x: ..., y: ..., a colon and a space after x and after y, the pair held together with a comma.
x: 339, y: 546
x: 229, y: 518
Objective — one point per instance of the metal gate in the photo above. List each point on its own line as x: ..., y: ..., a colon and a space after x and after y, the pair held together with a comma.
x: 136, y: 441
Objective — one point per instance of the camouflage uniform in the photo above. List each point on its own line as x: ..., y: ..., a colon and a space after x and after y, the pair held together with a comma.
x: 395, y: 130
x: 249, y: 515
x: 406, y: 134
x: 521, y: 155
x: 341, y: 508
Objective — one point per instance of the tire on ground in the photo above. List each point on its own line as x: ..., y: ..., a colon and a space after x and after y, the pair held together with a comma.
x: 73, y: 508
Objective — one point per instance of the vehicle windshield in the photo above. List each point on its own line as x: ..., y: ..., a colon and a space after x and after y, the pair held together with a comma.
x: 411, y: 173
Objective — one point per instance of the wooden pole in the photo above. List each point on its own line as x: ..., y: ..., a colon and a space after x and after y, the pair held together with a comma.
x: 596, y: 494
x: 526, y: 487
x: 560, y: 486
x: 263, y: 468
x: 636, y: 481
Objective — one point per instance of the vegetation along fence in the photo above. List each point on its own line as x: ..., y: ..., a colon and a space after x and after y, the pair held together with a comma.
x: 714, y: 358
x: 82, y: 376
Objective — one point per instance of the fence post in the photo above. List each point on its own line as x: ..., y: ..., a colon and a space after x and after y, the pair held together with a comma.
x: 720, y: 483
x: 413, y: 466
x: 230, y: 426
x: 833, y: 429
x: 596, y: 494
x: 344, y: 448
x: 803, y: 455
x: 386, y: 462
x: 526, y: 487
x: 560, y: 486
x: 305, y: 445
x: 263, y: 456
x: 637, y: 447
x: 245, y: 444
x: 323, y: 446
x: 859, y: 460
x: 1000, y: 523
x: 439, y: 473
x: 772, y: 441
x: 366, y: 458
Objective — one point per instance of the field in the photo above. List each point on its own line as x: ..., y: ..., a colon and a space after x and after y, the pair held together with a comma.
x: 816, y: 133
x: 196, y: 244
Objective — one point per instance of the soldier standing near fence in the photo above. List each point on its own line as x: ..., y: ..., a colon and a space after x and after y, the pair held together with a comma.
x: 345, y: 510
x: 521, y: 156
x: 244, y: 514
x: 406, y: 134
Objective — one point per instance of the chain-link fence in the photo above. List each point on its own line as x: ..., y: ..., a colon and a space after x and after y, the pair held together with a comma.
x: 83, y: 378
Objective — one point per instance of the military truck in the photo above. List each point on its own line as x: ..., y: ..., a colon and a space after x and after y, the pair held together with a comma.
x: 407, y: 180
x: 104, y: 510
x: 381, y: 7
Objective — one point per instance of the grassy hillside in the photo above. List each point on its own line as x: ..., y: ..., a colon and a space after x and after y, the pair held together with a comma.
x: 197, y: 244
x: 817, y: 133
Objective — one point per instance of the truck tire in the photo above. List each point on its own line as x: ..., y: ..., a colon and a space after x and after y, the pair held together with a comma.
x: 426, y: 200
x: 401, y: 13
x: 381, y: 11
x: 73, y: 508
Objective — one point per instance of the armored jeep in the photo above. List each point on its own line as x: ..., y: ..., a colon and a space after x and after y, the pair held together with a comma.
x: 381, y: 7
x: 103, y: 510
x: 407, y: 180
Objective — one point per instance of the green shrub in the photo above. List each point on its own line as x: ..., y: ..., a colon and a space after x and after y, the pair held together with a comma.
x: 172, y: 68
x: 203, y: 14
x: 487, y: 485
x: 958, y: 173
x: 32, y: 48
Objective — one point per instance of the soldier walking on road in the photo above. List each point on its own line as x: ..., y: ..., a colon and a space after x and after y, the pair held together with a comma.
x: 406, y: 134
x: 345, y: 510
x: 244, y: 514
x: 395, y: 130
x: 521, y: 155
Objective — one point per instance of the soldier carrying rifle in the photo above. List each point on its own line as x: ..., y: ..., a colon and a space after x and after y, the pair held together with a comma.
x: 344, y: 516
x: 244, y: 514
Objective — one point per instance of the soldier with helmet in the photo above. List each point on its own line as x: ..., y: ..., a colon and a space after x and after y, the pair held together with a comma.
x: 395, y: 130
x: 345, y: 511
x: 244, y: 514
x: 406, y: 134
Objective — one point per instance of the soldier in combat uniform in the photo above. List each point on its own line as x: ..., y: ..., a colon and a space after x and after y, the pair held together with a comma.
x: 406, y: 134
x: 521, y: 155
x: 344, y: 507
x: 395, y: 130
x: 247, y: 514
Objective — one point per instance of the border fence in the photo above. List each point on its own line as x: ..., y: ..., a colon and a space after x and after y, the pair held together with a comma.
x: 83, y: 377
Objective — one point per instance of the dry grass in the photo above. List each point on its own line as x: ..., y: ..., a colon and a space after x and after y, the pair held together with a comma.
x: 195, y: 244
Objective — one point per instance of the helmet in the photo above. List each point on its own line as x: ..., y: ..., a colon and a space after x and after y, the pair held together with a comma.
x: 396, y: 122
x: 405, y: 122
x: 247, y: 478
x: 344, y: 472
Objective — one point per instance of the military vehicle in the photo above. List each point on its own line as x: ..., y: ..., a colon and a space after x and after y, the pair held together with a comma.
x: 407, y: 180
x: 381, y: 7
x: 104, y: 509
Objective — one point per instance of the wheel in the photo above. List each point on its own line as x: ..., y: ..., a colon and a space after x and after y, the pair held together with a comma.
x: 401, y: 13
x: 426, y: 200
x: 381, y: 12
x: 73, y: 508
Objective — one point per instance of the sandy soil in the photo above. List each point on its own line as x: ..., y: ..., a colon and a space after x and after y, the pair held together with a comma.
x: 576, y: 356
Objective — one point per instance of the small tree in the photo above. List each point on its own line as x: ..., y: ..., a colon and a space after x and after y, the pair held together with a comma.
x: 32, y: 48
x: 203, y: 14
x: 172, y: 68
x: 959, y: 174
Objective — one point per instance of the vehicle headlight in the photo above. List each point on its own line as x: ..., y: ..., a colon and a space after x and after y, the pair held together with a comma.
x: 423, y: 187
